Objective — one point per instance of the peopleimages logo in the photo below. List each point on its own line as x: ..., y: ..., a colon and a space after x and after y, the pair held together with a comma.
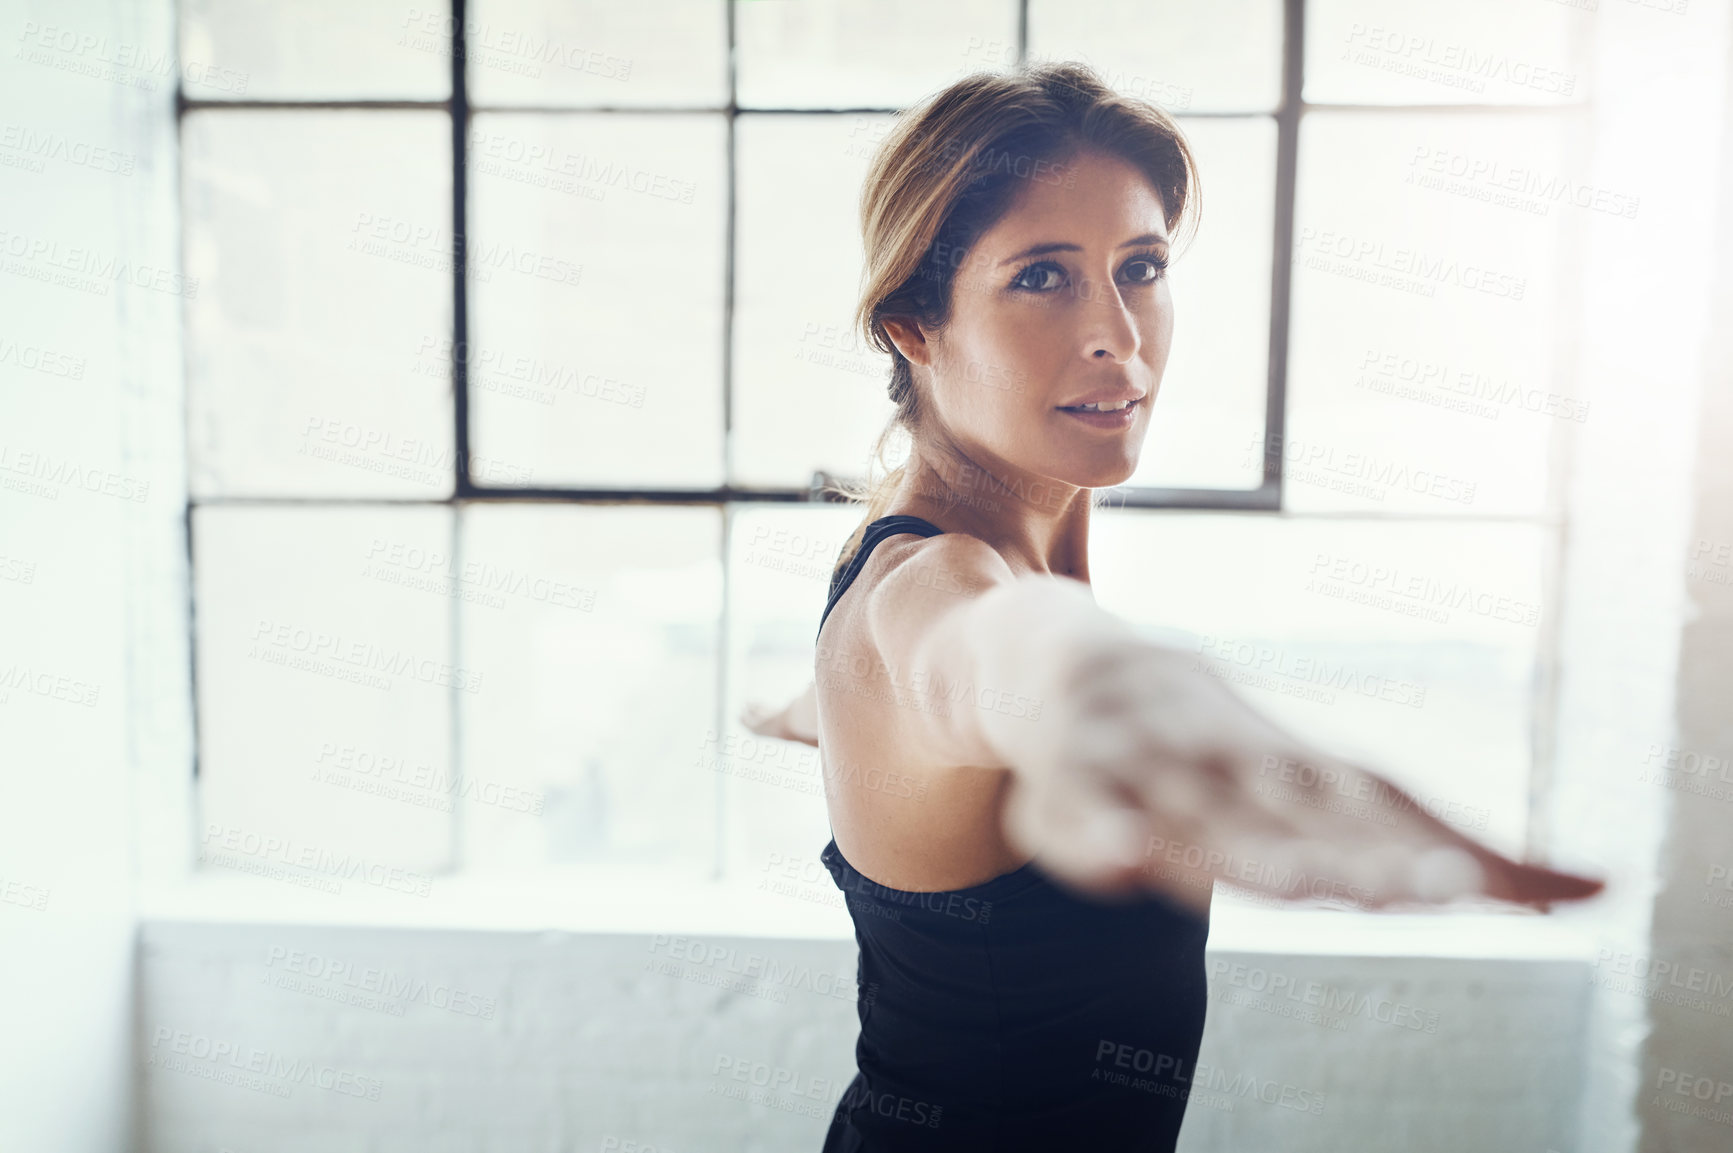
x: 87, y: 269
x: 47, y: 683
x: 38, y: 147
x: 178, y: 1050
x: 897, y: 900
x: 1400, y: 266
x: 298, y: 646
x: 508, y: 48
x: 1354, y: 471
x: 1276, y: 877
x: 227, y: 846
x: 136, y: 65
x: 47, y: 474
x: 1265, y: 666
x: 385, y: 982
x: 39, y: 359
x: 1164, y: 1074
x: 923, y: 688
x: 755, y: 967
x: 1333, y: 1003
x: 1696, y: 1089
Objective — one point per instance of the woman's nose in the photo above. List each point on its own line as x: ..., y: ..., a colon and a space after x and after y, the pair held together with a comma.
x: 1112, y: 328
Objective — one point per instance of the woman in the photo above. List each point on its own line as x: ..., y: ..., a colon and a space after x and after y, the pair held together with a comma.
x: 1031, y: 895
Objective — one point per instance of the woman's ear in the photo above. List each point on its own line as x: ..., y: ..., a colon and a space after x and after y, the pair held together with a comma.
x: 910, y: 340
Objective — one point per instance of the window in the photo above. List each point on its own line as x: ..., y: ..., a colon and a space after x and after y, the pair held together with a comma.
x: 525, y: 347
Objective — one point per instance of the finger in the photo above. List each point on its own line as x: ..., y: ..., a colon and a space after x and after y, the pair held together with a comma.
x: 1372, y: 837
x: 1459, y: 865
x: 1506, y: 879
x: 1396, y: 865
x: 1383, y: 852
x: 1254, y: 845
x: 1535, y: 884
x: 1387, y: 846
x: 1298, y: 868
x: 1448, y: 871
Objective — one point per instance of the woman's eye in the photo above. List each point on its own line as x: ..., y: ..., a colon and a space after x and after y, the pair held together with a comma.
x: 1145, y: 270
x: 1040, y: 277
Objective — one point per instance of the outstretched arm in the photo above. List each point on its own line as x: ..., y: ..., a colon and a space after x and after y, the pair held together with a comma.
x: 795, y: 721
x: 1133, y: 767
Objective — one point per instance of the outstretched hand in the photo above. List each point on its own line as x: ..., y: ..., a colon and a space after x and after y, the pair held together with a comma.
x: 795, y: 721
x: 1156, y: 776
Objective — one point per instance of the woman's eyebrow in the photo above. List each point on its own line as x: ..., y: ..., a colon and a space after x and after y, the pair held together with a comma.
x: 1043, y: 249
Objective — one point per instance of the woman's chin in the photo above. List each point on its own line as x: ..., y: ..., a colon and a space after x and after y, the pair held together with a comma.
x: 1087, y: 473
x: 1106, y: 475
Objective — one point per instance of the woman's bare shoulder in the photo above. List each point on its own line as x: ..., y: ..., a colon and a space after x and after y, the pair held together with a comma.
x: 951, y: 562
x: 912, y: 579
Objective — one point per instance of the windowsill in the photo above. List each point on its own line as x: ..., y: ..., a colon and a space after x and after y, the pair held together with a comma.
x: 563, y: 902
x: 739, y: 910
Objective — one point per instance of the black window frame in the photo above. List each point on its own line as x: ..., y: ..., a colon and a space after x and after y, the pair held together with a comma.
x: 725, y: 498
x: 1266, y: 497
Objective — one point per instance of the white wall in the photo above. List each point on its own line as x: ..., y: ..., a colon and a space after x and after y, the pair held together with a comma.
x: 1689, y: 1051
x: 566, y: 1041
x: 92, y: 669
x: 1642, y: 341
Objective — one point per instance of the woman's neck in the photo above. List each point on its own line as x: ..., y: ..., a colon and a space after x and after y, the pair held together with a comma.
x: 1037, y: 524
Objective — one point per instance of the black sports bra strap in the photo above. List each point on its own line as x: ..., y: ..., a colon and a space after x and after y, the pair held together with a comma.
x: 875, y: 532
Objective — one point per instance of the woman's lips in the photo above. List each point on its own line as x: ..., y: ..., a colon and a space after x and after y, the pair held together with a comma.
x: 1121, y: 418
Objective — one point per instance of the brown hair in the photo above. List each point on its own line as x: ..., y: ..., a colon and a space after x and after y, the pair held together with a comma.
x: 946, y: 173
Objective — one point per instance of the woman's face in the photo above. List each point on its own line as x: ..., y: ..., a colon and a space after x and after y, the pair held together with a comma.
x: 1063, y: 301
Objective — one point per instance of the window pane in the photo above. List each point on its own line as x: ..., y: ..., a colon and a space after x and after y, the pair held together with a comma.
x: 325, y: 677
x: 1214, y: 389
x: 314, y: 50
x: 596, y: 284
x: 321, y: 245
x: 865, y: 53
x: 1469, y: 52
x: 1185, y: 55
x: 1422, y: 374
x: 599, y: 630
x: 779, y: 574
x: 808, y: 393
x: 598, y: 53
x: 1410, y: 646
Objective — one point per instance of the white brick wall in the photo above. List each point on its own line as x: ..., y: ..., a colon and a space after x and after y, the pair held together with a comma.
x: 569, y: 1041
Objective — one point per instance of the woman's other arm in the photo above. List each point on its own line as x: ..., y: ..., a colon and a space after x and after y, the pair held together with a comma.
x: 795, y: 721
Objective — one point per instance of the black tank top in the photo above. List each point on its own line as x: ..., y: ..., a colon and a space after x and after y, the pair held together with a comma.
x: 1015, y: 1015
